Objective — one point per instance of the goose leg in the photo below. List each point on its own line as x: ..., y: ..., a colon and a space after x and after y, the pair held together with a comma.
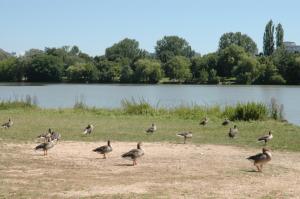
x: 104, y: 156
x: 184, y: 140
x: 258, y: 169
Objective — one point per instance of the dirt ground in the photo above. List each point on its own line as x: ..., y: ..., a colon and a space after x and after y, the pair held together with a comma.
x: 72, y: 170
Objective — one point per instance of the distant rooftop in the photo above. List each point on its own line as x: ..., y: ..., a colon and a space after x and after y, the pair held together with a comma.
x: 291, y: 46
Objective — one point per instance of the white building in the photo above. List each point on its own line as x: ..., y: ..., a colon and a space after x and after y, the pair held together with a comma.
x: 291, y: 46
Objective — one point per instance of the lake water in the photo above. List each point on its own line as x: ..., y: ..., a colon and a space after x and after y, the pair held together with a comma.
x: 111, y: 95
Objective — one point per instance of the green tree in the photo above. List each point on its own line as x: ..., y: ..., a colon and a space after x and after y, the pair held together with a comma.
x: 269, y: 39
x: 178, y: 68
x: 148, y: 70
x: 171, y: 46
x: 127, y: 48
x: 269, y: 72
x: 126, y: 75
x: 82, y: 72
x: 247, y: 70
x: 279, y: 36
x: 109, y: 71
x: 44, y: 68
x: 293, y: 71
x: 4, y: 55
x: 201, y: 67
x: 238, y: 39
x: 11, y: 70
x: 228, y: 58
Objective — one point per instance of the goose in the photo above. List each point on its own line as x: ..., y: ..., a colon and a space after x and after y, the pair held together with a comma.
x: 55, y: 136
x: 88, y: 129
x: 8, y: 124
x: 266, y: 138
x: 261, y: 158
x: 226, y: 122
x: 204, y: 121
x: 45, y: 146
x: 185, y: 135
x: 233, y: 131
x: 104, y: 149
x: 151, y: 129
x: 134, y: 154
x: 44, y: 136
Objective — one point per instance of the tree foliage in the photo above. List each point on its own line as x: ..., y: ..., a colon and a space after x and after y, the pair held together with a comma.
x: 171, y: 46
x: 148, y: 71
x: 44, y: 68
x: 279, y: 36
x: 238, y: 39
x: 178, y: 69
x: 269, y: 45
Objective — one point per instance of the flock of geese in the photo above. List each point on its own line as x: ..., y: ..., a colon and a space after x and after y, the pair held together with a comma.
x: 49, y: 139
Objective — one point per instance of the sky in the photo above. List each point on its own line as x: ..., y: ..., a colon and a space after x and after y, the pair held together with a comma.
x: 94, y: 25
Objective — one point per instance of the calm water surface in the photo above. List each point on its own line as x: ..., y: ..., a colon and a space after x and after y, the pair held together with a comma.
x: 110, y: 95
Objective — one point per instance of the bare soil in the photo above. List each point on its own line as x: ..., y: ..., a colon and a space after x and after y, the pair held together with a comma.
x: 72, y: 170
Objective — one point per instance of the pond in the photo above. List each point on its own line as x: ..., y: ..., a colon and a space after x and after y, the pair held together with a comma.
x: 111, y: 95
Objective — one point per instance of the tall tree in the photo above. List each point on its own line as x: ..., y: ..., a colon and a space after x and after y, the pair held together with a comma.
x: 279, y: 35
x: 269, y: 39
x: 238, y: 39
x: 171, y: 46
x: 127, y: 48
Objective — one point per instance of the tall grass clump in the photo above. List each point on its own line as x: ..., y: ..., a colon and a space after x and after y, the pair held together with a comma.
x: 247, y: 111
x: 134, y: 107
x: 80, y: 103
x: 194, y: 111
x: 27, y: 102
x: 276, y: 110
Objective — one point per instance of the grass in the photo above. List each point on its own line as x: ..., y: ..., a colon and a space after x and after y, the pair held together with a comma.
x: 127, y: 125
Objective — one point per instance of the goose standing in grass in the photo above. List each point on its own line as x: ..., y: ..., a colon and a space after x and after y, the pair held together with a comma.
x: 233, y: 132
x: 185, y: 135
x: 266, y: 138
x: 204, y: 121
x: 134, y: 154
x: 260, y: 159
x: 8, y: 124
x: 226, y: 122
x: 55, y: 136
x: 88, y: 129
x: 104, y: 149
x: 44, y: 136
x: 151, y: 129
x: 45, y: 146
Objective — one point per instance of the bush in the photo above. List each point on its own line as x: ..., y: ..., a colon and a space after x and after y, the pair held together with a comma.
x: 248, y: 111
x: 141, y: 107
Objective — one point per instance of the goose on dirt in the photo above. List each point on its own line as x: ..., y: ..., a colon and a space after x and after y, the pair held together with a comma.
x: 134, y: 154
x: 261, y: 158
x: 45, y: 146
x: 104, y: 149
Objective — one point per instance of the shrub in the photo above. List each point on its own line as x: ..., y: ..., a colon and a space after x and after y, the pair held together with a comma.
x: 247, y: 111
x: 137, y: 108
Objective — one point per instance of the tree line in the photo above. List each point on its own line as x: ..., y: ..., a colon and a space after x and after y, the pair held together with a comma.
x: 236, y: 61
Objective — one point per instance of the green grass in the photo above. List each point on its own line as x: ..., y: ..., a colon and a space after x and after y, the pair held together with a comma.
x: 119, y: 125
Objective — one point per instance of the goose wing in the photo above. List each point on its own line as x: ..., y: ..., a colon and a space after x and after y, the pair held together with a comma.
x: 133, y: 154
x: 40, y: 146
x: 103, y: 149
x: 263, y: 138
x: 258, y: 157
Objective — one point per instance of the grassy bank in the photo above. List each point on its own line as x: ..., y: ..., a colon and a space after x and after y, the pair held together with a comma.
x: 129, y: 123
